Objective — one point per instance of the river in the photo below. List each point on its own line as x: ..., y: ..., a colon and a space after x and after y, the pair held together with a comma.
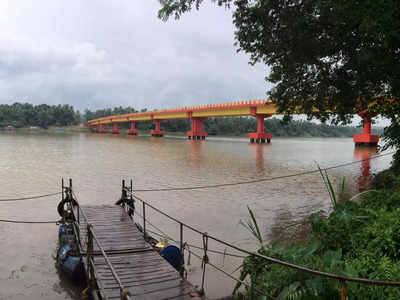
x: 34, y: 163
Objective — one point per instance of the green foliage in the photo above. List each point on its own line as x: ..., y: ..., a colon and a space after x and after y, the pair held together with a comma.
x: 25, y: 114
x: 252, y: 226
x: 330, y: 55
x: 243, y: 125
x: 356, y: 239
x: 324, y: 56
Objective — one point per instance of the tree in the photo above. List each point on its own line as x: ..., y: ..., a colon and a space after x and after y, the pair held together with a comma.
x: 324, y: 55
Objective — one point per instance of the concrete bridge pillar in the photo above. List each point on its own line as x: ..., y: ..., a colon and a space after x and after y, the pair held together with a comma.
x: 366, y: 138
x: 196, y: 126
x: 101, y: 128
x: 92, y: 128
x: 260, y: 136
x: 132, y: 130
x: 115, y: 129
x: 157, y: 131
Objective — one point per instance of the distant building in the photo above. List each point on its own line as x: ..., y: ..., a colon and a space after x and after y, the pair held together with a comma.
x: 9, y: 128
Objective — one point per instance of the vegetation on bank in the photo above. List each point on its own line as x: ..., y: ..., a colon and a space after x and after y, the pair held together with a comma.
x: 20, y: 115
x: 358, y: 239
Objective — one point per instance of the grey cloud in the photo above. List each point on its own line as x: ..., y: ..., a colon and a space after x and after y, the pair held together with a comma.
x: 99, y: 53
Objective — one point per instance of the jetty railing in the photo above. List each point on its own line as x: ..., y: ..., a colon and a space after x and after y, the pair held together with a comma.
x: 130, y: 194
x: 91, y: 236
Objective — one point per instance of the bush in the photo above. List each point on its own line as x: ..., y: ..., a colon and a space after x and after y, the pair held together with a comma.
x: 356, y: 239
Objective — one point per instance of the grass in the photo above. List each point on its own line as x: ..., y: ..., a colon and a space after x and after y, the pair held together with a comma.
x: 359, y: 239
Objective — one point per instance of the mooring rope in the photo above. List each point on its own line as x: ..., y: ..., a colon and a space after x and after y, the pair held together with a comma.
x: 27, y: 222
x: 260, y: 179
x: 30, y: 198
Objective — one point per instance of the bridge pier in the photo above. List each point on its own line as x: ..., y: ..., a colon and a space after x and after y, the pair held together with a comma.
x: 260, y: 136
x: 101, y: 128
x: 115, y: 129
x: 196, y: 126
x: 132, y: 130
x: 157, y: 132
x: 366, y: 138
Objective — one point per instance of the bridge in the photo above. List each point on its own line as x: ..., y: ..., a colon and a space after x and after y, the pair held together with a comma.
x: 259, y: 109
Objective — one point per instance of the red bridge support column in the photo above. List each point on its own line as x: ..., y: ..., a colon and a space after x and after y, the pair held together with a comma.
x: 92, y: 128
x: 196, y: 132
x: 366, y: 138
x: 157, y: 131
x: 115, y: 129
x: 260, y: 136
x: 132, y: 130
x: 101, y: 128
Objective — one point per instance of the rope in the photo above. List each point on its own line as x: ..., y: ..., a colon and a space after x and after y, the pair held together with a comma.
x: 30, y: 198
x: 277, y: 261
x: 204, y: 261
x: 232, y: 277
x: 162, y: 234
x: 261, y: 179
x: 27, y: 222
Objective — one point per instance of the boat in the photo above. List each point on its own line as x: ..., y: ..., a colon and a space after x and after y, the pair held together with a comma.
x: 69, y: 259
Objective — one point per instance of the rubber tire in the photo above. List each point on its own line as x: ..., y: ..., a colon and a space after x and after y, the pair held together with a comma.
x: 60, y: 207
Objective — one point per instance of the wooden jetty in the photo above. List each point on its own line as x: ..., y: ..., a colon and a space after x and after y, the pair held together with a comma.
x: 119, y: 261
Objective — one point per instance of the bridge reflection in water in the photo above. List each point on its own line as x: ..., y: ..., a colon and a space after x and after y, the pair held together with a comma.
x: 364, y: 154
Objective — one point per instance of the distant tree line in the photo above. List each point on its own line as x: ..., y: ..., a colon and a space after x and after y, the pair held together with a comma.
x: 25, y: 114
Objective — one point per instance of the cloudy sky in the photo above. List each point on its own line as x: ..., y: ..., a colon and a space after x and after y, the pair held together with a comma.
x: 102, y: 53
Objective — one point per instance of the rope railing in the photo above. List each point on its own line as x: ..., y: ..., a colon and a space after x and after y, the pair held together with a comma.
x: 27, y: 222
x: 91, y: 236
x: 342, y: 278
x: 162, y: 234
x: 29, y: 198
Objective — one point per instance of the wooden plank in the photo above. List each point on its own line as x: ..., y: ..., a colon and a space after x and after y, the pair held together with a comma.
x: 139, y: 267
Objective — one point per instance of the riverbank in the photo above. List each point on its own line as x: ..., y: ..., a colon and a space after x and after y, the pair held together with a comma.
x: 357, y: 239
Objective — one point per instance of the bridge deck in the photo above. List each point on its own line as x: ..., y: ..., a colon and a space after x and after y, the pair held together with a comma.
x: 140, y: 268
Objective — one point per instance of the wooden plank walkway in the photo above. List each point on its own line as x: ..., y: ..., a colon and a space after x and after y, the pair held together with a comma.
x: 142, y: 271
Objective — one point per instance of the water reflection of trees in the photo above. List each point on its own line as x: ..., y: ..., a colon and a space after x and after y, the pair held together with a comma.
x: 289, y: 227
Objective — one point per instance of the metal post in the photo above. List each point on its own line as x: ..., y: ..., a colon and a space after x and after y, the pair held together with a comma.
x: 144, y: 220
x: 78, y: 232
x: 205, y: 261
x: 89, y: 253
x: 62, y: 189
x: 181, y: 237
x: 182, y: 270
x: 342, y: 290
x: 78, y: 213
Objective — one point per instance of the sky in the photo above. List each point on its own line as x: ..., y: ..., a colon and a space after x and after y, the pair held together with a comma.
x: 101, y: 53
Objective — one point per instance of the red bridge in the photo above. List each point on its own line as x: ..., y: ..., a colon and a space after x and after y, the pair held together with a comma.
x: 259, y: 109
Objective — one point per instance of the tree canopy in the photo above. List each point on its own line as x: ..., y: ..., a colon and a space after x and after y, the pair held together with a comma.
x: 324, y: 55
x: 333, y: 55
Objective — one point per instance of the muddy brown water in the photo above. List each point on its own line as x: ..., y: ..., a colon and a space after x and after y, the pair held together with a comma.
x: 33, y: 164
